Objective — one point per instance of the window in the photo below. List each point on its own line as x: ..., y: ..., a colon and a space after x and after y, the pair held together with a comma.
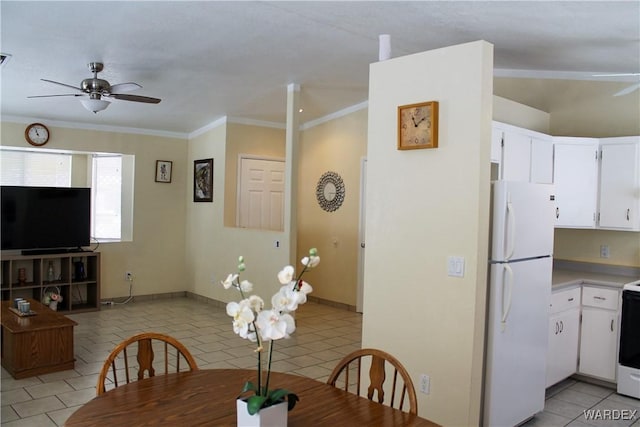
x: 31, y: 169
x: 110, y: 177
x: 106, y: 191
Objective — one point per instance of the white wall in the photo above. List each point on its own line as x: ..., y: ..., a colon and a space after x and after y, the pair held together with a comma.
x: 425, y: 205
x: 514, y: 113
x: 156, y: 255
x: 212, y: 249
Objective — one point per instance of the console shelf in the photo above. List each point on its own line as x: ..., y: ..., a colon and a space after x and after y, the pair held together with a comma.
x: 79, y: 287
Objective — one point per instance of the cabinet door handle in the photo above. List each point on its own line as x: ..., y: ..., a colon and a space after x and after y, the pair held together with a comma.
x: 557, y: 328
x: 557, y: 213
x: 611, y: 325
x: 561, y: 326
x: 570, y: 299
x: 628, y: 211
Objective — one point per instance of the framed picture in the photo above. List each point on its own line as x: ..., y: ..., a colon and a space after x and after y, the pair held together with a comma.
x: 418, y: 126
x: 163, y: 170
x: 203, y: 180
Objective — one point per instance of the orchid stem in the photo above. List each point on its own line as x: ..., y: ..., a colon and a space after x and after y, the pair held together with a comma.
x: 269, y: 368
x: 259, y: 373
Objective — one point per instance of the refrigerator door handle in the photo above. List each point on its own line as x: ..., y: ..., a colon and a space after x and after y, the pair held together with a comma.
x: 511, y: 231
x: 507, y: 288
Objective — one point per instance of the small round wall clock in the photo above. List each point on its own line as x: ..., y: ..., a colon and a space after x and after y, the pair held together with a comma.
x: 330, y: 191
x: 418, y: 126
x: 36, y: 134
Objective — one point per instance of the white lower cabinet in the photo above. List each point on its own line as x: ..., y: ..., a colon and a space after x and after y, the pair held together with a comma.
x: 583, y: 333
x: 564, y: 332
x: 599, y: 332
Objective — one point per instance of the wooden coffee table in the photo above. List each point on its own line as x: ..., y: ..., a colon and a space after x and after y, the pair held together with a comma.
x: 38, y: 344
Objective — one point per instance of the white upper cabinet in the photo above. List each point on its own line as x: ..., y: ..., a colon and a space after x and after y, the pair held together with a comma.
x: 575, y: 169
x: 542, y: 159
x: 524, y: 155
x: 516, y: 156
x: 619, y: 198
x: 597, y: 183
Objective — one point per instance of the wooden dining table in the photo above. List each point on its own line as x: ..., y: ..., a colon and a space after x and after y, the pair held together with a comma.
x: 208, y: 397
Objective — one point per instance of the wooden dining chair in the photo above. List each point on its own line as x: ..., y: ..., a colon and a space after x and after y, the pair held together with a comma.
x: 123, y: 368
x: 381, y: 362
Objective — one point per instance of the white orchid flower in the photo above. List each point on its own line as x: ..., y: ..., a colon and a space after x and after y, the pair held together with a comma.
x: 300, y: 295
x: 286, y: 275
x: 274, y: 326
x: 310, y: 261
x: 304, y: 288
x: 285, y: 299
x: 242, y: 317
x: 228, y: 282
x: 256, y: 303
x: 246, y: 286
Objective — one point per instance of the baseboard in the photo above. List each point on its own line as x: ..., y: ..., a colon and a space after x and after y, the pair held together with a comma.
x: 215, y: 302
x: 148, y: 297
x: 594, y: 381
x: 334, y: 304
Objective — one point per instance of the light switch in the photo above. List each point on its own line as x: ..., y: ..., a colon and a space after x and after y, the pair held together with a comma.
x: 455, y: 266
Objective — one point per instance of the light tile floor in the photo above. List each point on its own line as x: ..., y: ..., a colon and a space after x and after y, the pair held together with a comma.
x: 324, y: 335
x: 579, y: 404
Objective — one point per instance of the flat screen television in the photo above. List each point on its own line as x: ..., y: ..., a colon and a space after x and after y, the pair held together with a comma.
x: 45, y: 219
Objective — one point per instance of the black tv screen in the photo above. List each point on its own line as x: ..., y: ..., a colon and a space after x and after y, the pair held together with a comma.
x: 45, y: 217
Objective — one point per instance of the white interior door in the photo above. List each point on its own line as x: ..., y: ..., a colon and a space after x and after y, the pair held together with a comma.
x: 261, y: 194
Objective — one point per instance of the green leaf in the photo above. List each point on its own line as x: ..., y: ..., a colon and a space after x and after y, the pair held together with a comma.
x: 279, y: 394
x: 291, y: 400
x: 249, y: 386
x: 255, y: 403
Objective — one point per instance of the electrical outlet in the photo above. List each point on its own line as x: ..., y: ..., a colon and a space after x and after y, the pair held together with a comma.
x: 128, y: 276
x: 604, y: 251
x: 425, y: 383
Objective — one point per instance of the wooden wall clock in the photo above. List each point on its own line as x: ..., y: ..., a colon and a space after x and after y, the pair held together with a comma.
x: 418, y: 126
x: 36, y: 134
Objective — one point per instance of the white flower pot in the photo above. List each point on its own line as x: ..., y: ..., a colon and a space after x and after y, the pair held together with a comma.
x: 53, y: 305
x: 273, y: 416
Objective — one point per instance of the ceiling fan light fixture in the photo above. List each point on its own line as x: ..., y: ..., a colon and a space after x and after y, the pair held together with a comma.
x: 95, y: 105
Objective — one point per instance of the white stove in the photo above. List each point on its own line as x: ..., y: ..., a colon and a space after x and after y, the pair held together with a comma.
x: 629, y: 354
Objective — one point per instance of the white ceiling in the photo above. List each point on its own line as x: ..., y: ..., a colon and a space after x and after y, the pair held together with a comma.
x: 211, y: 59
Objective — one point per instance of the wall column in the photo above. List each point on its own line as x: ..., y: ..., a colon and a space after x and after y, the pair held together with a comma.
x: 291, y: 169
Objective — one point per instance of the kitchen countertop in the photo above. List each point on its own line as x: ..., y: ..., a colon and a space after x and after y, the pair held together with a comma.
x: 568, y: 273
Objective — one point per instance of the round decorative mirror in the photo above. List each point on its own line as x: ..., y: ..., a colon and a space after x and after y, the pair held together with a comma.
x: 330, y: 191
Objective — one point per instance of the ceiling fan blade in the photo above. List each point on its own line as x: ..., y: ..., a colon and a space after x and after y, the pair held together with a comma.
x: 628, y: 90
x: 135, y: 98
x: 48, y: 96
x: 125, y: 87
x: 62, y: 84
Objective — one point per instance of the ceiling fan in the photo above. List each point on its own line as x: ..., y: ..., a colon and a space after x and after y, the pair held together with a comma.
x: 628, y: 89
x: 93, y: 91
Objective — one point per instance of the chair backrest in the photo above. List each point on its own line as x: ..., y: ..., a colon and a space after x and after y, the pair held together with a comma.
x: 352, y: 364
x: 120, y: 364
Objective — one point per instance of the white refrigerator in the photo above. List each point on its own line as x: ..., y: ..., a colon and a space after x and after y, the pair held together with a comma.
x: 523, y: 216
